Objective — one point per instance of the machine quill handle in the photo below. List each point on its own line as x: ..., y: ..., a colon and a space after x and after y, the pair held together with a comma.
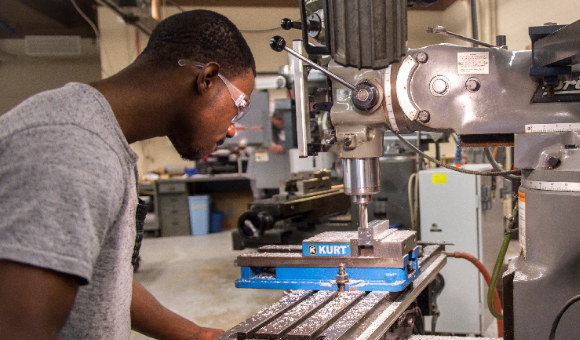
x: 278, y: 44
x: 442, y: 30
x: 288, y: 24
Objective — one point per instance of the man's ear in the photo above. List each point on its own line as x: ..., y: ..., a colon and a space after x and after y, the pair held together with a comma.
x: 207, y: 77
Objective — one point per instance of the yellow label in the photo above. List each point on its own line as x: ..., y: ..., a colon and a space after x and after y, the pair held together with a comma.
x: 439, y: 178
x: 262, y: 156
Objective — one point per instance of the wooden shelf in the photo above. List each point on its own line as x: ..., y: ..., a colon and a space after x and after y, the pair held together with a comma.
x: 440, y: 5
x: 437, y: 6
x: 240, y: 3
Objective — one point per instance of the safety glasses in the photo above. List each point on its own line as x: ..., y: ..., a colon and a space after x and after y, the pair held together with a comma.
x: 240, y: 100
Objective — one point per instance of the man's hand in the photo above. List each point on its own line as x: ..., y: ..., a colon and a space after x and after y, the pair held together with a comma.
x: 207, y: 334
x: 149, y: 317
x: 276, y: 148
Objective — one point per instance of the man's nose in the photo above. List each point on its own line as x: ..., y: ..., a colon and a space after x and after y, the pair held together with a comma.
x: 231, y: 131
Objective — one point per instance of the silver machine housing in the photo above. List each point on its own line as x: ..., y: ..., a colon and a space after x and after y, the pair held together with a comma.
x: 486, y: 95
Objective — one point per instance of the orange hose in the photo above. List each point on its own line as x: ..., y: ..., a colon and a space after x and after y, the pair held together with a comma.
x: 487, y: 278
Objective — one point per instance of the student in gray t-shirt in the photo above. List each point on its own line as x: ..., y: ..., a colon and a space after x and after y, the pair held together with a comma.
x: 68, y: 181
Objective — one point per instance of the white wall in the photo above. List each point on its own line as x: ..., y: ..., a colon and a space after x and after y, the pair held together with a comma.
x: 22, y: 76
x: 515, y: 16
x: 456, y: 18
x: 120, y: 42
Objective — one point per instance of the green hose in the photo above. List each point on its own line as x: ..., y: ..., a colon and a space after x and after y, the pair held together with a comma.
x: 496, y: 270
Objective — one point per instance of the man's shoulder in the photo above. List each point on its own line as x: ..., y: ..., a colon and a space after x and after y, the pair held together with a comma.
x: 78, y: 109
x: 73, y: 104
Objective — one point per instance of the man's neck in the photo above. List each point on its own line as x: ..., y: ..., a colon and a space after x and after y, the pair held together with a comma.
x: 140, y: 103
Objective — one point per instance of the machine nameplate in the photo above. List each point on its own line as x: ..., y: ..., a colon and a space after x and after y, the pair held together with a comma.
x: 567, y: 90
x: 473, y: 63
x: 559, y: 127
x: 552, y: 186
x: 326, y: 249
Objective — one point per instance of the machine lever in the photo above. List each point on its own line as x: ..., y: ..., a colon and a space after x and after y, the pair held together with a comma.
x: 278, y: 44
x: 313, y: 27
x: 288, y: 24
x: 444, y: 31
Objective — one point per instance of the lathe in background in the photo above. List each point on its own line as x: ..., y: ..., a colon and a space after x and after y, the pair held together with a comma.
x: 306, y: 205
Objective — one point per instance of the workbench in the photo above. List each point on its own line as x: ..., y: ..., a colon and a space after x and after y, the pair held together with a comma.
x: 230, y: 194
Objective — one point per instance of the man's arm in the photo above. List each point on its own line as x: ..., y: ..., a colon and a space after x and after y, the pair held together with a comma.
x: 276, y: 148
x: 149, y: 317
x: 34, y: 302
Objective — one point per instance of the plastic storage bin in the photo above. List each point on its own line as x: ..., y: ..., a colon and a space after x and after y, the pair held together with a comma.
x: 199, y: 214
x: 215, y: 221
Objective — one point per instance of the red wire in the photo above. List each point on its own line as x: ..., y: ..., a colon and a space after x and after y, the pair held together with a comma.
x: 487, y: 278
x: 137, y: 42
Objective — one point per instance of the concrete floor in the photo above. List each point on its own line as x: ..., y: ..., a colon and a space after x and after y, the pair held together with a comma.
x: 194, y: 276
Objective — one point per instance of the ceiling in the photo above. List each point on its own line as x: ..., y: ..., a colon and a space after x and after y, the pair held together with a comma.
x: 19, y: 18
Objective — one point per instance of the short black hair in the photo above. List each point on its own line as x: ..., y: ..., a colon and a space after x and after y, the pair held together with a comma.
x: 202, y: 36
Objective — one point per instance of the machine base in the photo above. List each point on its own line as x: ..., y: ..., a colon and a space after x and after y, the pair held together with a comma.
x: 307, y: 314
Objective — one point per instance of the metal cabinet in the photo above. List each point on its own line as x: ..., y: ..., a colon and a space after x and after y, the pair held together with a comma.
x: 466, y: 210
x: 172, y: 199
x: 173, y: 208
x: 147, y: 194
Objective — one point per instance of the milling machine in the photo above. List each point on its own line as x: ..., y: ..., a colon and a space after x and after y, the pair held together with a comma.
x: 491, y: 97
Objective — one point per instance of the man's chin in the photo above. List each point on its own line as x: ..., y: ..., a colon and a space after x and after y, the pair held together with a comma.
x: 188, y: 154
x: 192, y: 154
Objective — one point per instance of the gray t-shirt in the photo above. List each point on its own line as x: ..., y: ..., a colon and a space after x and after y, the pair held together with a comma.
x: 68, y: 195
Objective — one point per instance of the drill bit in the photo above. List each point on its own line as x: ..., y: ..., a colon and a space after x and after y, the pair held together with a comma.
x: 363, y: 215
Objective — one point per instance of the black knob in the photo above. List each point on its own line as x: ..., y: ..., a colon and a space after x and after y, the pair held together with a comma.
x: 552, y: 162
x: 365, y: 96
x: 277, y: 43
x: 420, y: 3
x: 288, y: 24
x: 500, y: 40
x: 253, y: 224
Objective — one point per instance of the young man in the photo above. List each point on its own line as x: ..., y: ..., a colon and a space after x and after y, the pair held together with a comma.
x: 68, y: 182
